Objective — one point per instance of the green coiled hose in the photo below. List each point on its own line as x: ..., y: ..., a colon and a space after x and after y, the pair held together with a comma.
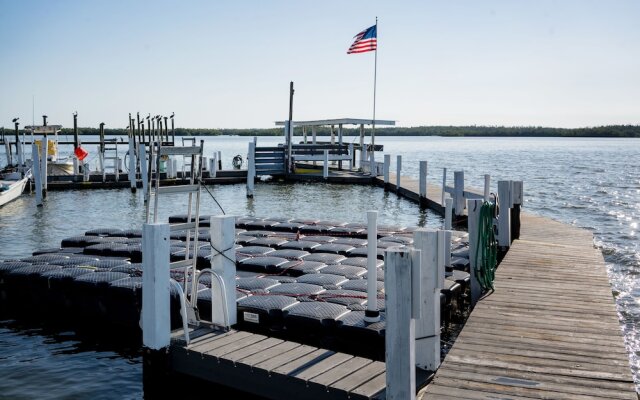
x: 486, y: 269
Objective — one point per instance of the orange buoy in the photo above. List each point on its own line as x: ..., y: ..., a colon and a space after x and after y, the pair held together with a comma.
x: 80, y: 153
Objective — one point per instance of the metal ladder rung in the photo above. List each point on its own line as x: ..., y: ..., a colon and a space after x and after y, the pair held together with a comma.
x: 178, y: 189
x: 182, y: 226
x: 180, y: 151
x: 181, y: 263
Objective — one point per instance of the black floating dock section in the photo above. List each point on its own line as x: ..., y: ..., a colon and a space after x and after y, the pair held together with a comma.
x: 278, y: 369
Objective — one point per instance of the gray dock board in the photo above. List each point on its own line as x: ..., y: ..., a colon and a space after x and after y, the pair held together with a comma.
x: 274, y: 368
x: 241, y: 343
x: 372, y: 387
x: 282, y: 348
x: 550, y: 329
x: 340, y: 371
x: 255, y: 348
x: 217, y: 341
x: 360, y: 377
x: 323, y: 366
x: 307, y: 359
x: 282, y: 358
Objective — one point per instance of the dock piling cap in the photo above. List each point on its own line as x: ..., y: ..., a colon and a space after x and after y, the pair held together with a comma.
x: 80, y: 153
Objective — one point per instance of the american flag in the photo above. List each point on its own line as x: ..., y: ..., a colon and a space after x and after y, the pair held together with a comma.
x: 365, y: 41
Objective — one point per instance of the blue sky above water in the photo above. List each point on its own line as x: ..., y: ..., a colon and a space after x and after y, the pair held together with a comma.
x: 228, y: 64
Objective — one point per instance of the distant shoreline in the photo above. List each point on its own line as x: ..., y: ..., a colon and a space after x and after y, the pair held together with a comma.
x: 626, y: 131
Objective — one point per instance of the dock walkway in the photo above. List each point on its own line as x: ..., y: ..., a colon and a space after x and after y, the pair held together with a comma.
x: 550, y: 329
x: 275, y: 368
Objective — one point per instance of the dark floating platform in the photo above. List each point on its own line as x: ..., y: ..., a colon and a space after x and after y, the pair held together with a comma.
x: 311, y: 291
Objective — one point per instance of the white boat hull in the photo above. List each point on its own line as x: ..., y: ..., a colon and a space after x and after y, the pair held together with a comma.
x: 15, y: 189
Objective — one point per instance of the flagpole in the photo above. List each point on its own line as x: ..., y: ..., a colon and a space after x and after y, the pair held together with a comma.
x: 375, y: 74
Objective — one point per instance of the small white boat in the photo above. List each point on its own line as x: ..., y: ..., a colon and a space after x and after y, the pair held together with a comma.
x: 11, y: 189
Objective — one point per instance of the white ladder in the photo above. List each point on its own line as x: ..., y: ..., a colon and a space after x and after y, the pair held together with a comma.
x: 188, y: 298
x: 110, y: 153
x: 185, y: 161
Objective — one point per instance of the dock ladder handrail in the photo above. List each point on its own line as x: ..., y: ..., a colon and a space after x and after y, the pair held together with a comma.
x: 110, y: 153
x: 188, y: 296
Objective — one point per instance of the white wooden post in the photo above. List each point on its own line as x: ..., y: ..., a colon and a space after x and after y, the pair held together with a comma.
x: 43, y: 162
x: 132, y: 165
x: 458, y: 192
x: 85, y: 172
x: 504, y: 214
x: 220, y: 155
x: 473, y: 222
x: 403, y: 307
x: 213, y: 170
x: 351, y: 156
x: 340, y: 134
x: 372, y: 314
x: 517, y: 193
x: 516, y: 200
x: 333, y: 135
x: 19, y: 152
x: 314, y: 133
x: 37, y: 173
x: 363, y: 157
x: 205, y: 165
x: 373, y: 169
x: 174, y: 166
x: 251, y: 169
x: 169, y: 169
x: 100, y: 160
x: 76, y: 170
x: 325, y: 166
x: 361, y: 142
x: 448, y: 213
x: 445, y: 237
x: 7, y: 152
x: 142, y: 151
x: 428, y: 325
x: 423, y: 182
x: 398, y: 171
x: 387, y: 167
x: 223, y: 262
x: 156, y: 317
x: 444, y: 186
x: 304, y: 134
x: 487, y: 187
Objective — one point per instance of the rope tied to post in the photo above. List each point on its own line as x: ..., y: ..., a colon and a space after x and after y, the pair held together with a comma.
x: 488, y: 245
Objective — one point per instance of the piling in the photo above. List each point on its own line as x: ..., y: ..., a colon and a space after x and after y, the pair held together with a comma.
x: 402, y: 303
x: 223, y: 263
x: 475, y: 256
x: 504, y: 214
x: 428, y: 323
x: 372, y: 314
x: 251, y: 168
x: 423, y: 184
x: 516, y: 204
x: 398, y: 170
x: 37, y: 174
x: 458, y: 192
x: 387, y: 167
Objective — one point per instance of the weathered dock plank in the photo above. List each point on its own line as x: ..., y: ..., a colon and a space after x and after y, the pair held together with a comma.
x: 276, y: 369
x: 549, y: 330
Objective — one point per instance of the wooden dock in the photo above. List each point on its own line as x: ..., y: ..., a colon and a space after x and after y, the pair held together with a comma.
x: 275, y: 368
x: 550, y: 329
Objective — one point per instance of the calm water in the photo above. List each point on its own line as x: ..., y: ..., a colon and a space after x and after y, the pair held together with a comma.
x: 591, y: 183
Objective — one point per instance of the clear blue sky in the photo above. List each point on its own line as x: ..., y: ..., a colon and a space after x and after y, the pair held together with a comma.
x: 228, y: 64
